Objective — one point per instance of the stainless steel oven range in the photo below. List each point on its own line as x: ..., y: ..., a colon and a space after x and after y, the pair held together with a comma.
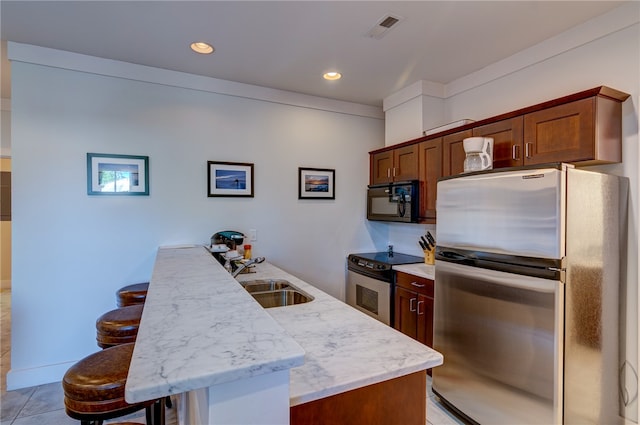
x: 370, y: 282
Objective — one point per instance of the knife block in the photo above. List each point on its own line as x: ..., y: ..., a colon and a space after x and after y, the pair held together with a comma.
x: 429, y: 257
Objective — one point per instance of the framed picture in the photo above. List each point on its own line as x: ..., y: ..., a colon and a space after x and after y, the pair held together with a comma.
x: 109, y: 174
x: 229, y: 179
x: 316, y: 183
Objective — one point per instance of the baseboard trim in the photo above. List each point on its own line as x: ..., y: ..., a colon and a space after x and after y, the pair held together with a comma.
x: 25, y: 378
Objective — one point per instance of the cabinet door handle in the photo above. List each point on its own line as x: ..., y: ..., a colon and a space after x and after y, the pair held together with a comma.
x: 418, y: 285
x: 388, y: 172
x: 420, y: 303
x: 411, y: 306
x: 394, y: 171
x: 527, y: 150
x: 514, y: 152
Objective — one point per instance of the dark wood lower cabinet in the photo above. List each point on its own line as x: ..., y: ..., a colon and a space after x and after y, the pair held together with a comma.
x: 425, y: 320
x: 399, y: 401
x: 413, y: 302
x: 406, y: 317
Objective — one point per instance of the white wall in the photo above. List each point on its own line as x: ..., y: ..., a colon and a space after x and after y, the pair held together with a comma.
x: 408, y: 120
x: 404, y: 121
x: 412, y: 110
x: 72, y: 251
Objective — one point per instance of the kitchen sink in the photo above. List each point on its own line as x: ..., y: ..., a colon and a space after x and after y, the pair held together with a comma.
x: 281, y: 298
x: 262, y: 285
x: 275, y: 292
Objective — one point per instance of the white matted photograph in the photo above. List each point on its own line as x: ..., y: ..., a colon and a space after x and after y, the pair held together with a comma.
x: 229, y: 179
x: 114, y: 174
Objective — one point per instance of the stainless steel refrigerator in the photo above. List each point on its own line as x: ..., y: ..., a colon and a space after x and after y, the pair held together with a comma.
x: 526, y: 295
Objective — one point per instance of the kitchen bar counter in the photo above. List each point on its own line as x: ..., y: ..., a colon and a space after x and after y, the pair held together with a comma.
x: 201, y: 329
x: 345, y: 349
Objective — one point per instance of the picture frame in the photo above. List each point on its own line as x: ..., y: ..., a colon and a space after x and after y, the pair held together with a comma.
x: 316, y: 183
x: 229, y: 179
x: 117, y: 175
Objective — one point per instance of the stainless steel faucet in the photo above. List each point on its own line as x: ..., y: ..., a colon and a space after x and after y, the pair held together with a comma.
x: 243, y: 266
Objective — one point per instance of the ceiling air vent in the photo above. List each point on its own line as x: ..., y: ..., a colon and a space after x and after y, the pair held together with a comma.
x: 383, y: 26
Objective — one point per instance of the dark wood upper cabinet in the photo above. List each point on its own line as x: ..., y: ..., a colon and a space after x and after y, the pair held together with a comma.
x: 583, y: 128
x: 430, y: 170
x: 507, y: 141
x: 453, y: 153
x: 585, y: 131
x: 405, y: 163
x: 398, y: 164
x: 381, y: 164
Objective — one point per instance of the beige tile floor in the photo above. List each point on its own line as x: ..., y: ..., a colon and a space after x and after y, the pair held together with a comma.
x: 44, y: 404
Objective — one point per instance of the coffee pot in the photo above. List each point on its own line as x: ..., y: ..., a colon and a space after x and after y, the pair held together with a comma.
x: 479, y: 152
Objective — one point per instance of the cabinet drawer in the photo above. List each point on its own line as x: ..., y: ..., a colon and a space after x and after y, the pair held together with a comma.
x: 415, y: 283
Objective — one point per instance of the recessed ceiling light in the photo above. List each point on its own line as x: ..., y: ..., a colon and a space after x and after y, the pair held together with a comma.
x: 202, y: 47
x: 332, y: 75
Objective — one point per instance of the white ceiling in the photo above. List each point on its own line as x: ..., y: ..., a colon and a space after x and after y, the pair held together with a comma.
x: 289, y: 44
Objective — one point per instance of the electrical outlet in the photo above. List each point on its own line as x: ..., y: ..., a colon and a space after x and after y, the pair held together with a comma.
x: 253, y: 235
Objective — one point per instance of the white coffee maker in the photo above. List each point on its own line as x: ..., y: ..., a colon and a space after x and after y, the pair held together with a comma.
x: 479, y: 152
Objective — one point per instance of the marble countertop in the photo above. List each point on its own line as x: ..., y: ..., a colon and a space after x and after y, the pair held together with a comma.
x: 345, y: 349
x: 200, y: 328
x: 419, y: 269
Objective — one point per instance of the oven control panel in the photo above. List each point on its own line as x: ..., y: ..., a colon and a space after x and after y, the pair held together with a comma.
x: 371, y: 268
x: 361, y: 262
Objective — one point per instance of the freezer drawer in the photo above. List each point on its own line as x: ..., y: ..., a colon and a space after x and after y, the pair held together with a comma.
x: 516, y: 212
x: 501, y: 337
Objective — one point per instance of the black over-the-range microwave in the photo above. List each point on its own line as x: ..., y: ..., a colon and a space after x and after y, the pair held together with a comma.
x: 393, y: 202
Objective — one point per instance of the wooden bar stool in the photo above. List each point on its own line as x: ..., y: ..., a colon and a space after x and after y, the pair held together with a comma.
x: 119, y: 326
x: 94, y: 389
x: 132, y: 294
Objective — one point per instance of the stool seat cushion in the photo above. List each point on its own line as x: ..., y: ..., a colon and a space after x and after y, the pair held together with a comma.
x: 96, y: 383
x: 119, y: 326
x: 132, y: 294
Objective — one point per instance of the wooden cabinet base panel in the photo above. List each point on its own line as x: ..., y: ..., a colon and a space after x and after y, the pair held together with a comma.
x: 399, y: 401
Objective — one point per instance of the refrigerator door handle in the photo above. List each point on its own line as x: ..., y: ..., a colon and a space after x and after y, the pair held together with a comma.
x: 451, y: 256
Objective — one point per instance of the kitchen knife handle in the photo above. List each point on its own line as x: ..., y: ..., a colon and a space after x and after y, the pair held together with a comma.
x: 411, y: 306
x: 418, y: 285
